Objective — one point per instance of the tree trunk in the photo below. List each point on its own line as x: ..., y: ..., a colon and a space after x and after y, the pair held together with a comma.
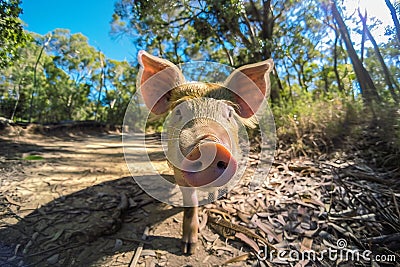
x: 288, y: 82
x: 100, y: 86
x: 386, y: 72
x: 394, y: 18
x: 267, y: 19
x: 363, y: 33
x: 275, y: 92
x: 35, y: 78
x: 368, y: 89
x: 17, y: 100
x: 335, y: 61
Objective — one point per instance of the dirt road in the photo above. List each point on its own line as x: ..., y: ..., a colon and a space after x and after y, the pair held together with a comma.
x: 69, y: 200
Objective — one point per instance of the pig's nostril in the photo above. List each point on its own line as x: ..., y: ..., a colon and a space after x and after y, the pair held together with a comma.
x: 222, y: 164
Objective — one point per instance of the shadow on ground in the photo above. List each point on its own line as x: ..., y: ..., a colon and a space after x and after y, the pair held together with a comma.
x: 85, y: 227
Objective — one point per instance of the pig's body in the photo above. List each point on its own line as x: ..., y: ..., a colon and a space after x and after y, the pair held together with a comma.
x: 202, y: 126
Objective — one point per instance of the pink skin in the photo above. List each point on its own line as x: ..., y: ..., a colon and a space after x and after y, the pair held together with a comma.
x: 223, y: 166
x: 210, y: 163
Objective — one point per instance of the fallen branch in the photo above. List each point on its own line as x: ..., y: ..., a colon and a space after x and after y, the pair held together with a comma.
x: 139, y: 249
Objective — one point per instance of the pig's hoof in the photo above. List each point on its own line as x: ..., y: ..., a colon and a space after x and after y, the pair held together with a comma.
x: 188, y: 248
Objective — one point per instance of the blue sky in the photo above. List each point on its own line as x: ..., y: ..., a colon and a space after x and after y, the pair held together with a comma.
x: 89, y: 17
x: 92, y: 19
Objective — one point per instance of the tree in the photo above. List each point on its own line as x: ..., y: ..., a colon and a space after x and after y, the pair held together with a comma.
x: 59, y: 76
x: 335, y: 59
x: 74, y: 64
x: 230, y: 32
x: 367, y: 86
x: 17, y: 83
x: 120, y: 87
x: 391, y: 84
x: 394, y: 18
x: 12, y: 35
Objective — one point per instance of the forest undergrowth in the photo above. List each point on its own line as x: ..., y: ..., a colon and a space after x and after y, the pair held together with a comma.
x: 335, y: 176
x: 329, y: 127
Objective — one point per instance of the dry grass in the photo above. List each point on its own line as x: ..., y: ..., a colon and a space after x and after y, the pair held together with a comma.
x: 315, y: 127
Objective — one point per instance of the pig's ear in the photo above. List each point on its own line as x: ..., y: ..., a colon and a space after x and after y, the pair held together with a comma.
x: 251, y: 85
x: 157, y: 78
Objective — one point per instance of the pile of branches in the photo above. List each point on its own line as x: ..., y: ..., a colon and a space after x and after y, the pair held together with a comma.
x: 309, y: 209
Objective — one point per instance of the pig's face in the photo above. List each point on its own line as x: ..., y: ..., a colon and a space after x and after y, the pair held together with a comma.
x: 202, y: 122
x: 205, y: 132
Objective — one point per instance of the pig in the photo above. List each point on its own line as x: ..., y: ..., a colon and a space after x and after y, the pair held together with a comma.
x: 202, y: 128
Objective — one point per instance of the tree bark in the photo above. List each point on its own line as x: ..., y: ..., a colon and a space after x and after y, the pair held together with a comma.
x: 386, y: 72
x: 34, y: 89
x: 275, y: 92
x: 367, y: 87
x: 363, y: 33
x: 267, y: 23
x: 17, y: 100
x: 288, y: 82
x: 100, y: 86
x: 335, y: 61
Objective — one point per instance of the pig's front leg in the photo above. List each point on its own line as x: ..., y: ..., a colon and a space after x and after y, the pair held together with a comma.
x: 190, y: 220
x: 190, y: 230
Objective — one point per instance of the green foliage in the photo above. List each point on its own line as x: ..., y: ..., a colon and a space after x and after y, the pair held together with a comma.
x: 391, y: 52
x: 315, y: 123
x: 33, y: 157
x: 181, y: 31
x: 12, y: 36
x: 300, y: 36
x: 316, y: 98
x: 387, y: 124
x: 60, y: 77
x: 315, y: 91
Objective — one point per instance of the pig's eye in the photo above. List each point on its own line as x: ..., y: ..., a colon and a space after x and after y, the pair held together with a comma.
x: 230, y: 112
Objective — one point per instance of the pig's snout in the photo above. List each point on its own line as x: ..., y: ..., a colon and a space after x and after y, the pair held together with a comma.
x: 209, y: 164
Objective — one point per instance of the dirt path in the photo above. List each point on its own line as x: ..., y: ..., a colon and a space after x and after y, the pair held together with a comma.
x: 70, y: 201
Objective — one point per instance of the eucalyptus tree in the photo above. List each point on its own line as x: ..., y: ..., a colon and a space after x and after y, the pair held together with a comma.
x: 390, y: 82
x: 120, y: 87
x: 12, y: 35
x: 395, y: 18
x: 74, y: 63
x: 17, y: 79
x: 231, y: 32
x: 367, y: 86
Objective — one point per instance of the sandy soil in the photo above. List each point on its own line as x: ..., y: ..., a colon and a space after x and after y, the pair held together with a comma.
x: 69, y: 200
